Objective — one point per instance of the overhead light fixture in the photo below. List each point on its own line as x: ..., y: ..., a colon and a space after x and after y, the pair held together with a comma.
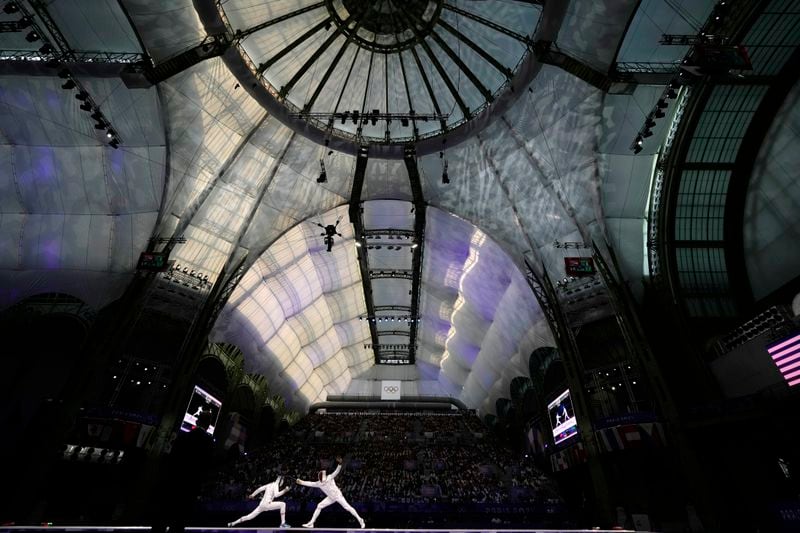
x: 64, y: 74
x: 358, y: 244
x: 69, y: 84
x: 661, y: 104
x: 110, y: 133
x: 24, y: 22
x: 636, y: 146
x: 32, y: 36
x: 114, y: 143
x: 355, y: 116
x: 101, y: 125
x: 404, y: 122
x: 658, y: 113
x: 46, y: 48
x: 649, y: 123
x: 671, y: 93
x: 11, y: 8
x: 82, y: 96
x: 445, y: 177
x: 86, y: 106
x: 647, y: 132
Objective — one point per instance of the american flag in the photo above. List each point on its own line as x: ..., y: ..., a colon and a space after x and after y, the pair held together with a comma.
x: 786, y: 354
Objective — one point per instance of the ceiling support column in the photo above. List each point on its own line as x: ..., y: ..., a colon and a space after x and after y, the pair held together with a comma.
x: 410, y: 159
x: 357, y: 220
x: 564, y: 338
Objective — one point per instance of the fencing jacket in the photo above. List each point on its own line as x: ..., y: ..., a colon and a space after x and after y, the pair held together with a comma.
x: 327, y: 485
x: 270, y: 491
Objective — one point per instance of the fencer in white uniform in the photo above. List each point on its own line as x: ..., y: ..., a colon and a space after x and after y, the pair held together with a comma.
x: 332, y: 494
x: 267, y: 503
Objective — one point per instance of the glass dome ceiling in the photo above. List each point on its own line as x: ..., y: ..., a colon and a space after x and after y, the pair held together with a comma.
x: 387, y: 71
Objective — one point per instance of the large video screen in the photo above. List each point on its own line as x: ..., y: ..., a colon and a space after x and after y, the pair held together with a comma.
x: 785, y: 354
x: 200, y: 401
x: 562, y: 418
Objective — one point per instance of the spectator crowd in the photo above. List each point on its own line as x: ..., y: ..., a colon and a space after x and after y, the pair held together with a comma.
x: 390, y: 457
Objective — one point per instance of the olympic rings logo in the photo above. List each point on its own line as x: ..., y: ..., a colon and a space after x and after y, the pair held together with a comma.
x: 391, y: 388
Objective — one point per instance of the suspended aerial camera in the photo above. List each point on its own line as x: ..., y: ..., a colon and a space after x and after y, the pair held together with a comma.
x: 330, y: 232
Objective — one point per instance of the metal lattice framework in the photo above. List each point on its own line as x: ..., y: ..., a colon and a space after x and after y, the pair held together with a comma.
x: 388, y: 56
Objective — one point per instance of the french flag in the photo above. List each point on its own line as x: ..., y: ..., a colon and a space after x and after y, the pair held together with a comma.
x: 786, y: 355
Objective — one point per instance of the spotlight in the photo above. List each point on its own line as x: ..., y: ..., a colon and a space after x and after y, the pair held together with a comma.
x: 355, y: 117
x: 82, y: 96
x: 24, y: 22
x: 671, y: 93
x: 114, y: 143
x: 97, y: 115
x: 344, y: 116
x: 404, y: 122
x: 658, y: 113
x: 101, y: 125
x: 661, y: 104
x: 358, y: 244
x: 445, y: 178
x: 86, y: 106
x: 32, y: 36
x: 110, y: 134
x: 636, y: 147
x: 647, y: 133
x: 46, y: 48
x: 414, y: 245
x: 69, y: 84
x: 11, y: 8
x: 649, y: 123
x: 64, y: 74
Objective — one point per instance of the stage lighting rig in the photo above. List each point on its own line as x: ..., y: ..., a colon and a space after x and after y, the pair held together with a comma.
x: 323, y: 175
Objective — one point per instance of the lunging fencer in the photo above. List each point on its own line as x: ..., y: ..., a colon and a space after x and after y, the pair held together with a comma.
x: 327, y: 485
x: 267, y: 503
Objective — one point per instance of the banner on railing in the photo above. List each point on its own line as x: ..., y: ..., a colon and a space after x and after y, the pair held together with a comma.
x: 647, y: 435
x: 563, y: 459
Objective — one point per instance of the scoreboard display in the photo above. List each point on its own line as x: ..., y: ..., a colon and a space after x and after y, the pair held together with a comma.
x: 153, y: 261
x: 579, y: 266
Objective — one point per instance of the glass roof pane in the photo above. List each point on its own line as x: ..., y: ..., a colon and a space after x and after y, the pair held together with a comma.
x: 382, y: 31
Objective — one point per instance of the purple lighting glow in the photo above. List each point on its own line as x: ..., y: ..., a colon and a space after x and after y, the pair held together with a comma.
x: 786, y: 355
